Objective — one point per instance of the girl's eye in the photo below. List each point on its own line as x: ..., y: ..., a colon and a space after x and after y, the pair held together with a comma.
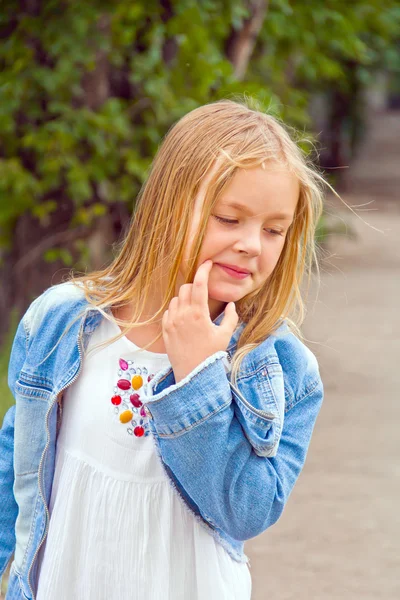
x: 229, y: 221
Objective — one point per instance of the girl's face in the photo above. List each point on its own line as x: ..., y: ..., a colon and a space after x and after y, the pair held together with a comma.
x: 250, y: 237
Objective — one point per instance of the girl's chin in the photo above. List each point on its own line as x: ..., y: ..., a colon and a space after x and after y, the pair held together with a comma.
x: 221, y: 296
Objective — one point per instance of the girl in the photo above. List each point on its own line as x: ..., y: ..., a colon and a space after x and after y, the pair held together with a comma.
x: 165, y: 404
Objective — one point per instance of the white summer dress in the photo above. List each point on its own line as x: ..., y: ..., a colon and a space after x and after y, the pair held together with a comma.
x: 118, y: 529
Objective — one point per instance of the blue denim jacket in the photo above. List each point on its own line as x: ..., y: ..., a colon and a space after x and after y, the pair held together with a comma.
x: 231, y: 453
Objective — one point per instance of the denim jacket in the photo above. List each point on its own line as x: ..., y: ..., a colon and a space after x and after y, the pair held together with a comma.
x: 231, y: 453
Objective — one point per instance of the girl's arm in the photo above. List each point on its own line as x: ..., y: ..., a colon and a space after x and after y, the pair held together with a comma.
x: 8, y: 506
x: 203, y: 443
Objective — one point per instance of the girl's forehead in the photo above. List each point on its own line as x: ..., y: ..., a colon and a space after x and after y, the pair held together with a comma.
x: 273, y: 186
x: 253, y: 185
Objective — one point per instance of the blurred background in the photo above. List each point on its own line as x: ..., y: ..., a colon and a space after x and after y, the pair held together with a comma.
x: 87, y: 92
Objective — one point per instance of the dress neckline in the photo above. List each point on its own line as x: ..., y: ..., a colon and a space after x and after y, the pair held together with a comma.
x: 133, y: 347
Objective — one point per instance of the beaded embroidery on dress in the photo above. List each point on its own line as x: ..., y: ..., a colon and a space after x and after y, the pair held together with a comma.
x: 130, y: 387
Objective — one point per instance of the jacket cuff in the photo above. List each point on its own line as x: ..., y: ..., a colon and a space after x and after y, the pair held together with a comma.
x: 199, y: 395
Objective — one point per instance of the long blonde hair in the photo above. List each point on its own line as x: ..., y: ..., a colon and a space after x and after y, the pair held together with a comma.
x: 237, y: 136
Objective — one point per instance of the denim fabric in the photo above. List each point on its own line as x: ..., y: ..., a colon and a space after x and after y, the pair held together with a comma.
x: 232, y: 453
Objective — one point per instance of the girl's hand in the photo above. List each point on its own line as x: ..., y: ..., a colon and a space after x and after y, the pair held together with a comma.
x: 189, y: 334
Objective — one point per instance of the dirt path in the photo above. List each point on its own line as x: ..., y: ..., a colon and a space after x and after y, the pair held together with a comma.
x: 339, y: 537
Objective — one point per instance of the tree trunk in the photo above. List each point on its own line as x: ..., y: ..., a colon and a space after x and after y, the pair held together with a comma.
x: 240, y: 43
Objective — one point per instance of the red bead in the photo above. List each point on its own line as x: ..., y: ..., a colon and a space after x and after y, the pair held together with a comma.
x: 138, y: 431
x: 116, y: 400
x: 134, y: 398
x: 123, y: 384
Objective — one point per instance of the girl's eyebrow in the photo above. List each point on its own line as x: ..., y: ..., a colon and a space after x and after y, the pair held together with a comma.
x: 246, y: 210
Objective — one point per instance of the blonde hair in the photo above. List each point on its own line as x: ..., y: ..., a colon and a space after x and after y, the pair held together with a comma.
x: 231, y: 135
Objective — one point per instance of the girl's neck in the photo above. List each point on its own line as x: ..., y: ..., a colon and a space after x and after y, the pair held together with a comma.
x: 144, y: 334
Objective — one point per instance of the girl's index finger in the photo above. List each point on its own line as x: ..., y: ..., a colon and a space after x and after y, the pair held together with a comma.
x: 200, y: 284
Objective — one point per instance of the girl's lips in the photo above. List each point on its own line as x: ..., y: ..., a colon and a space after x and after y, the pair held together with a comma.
x: 233, y: 273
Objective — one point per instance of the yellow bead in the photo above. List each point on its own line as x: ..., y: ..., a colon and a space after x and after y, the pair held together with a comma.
x: 137, y: 382
x: 126, y: 416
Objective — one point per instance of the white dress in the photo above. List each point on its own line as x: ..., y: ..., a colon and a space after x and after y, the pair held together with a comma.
x: 118, y: 529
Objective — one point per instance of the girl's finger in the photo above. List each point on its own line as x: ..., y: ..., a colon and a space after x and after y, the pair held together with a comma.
x: 185, y: 294
x: 172, y: 309
x: 164, y: 319
x: 200, y: 285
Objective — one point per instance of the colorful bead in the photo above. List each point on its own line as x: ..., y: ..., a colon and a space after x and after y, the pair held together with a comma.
x: 123, y: 364
x: 135, y: 399
x: 137, y: 382
x: 128, y: 406
x: 126, y: 416
x: 123, y: 384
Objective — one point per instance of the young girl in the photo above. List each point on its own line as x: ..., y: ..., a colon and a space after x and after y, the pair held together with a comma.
x: 165, y: 404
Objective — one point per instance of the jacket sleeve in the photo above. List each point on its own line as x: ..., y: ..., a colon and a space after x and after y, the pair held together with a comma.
x: 8, y: 506
x: 195, y: 427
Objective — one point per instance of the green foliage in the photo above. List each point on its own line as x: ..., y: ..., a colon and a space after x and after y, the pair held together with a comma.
x: 304, y: 48
x: 87, y: 91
